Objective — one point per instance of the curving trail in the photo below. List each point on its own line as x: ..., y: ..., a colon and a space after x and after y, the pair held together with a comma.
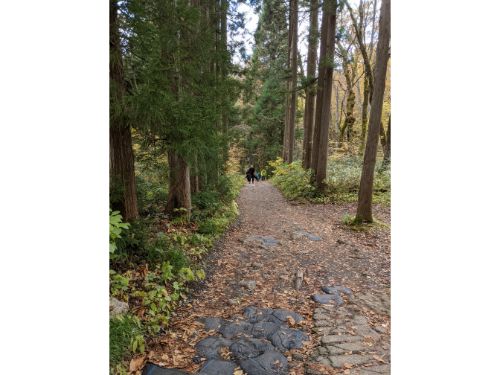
x: 257, y: 263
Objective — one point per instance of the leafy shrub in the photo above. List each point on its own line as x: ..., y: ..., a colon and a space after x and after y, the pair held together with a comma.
x: 125, y: 336
x: 292, y: 180
x: 134, y: 240
x: 116, y: 227
x: 343, y: 177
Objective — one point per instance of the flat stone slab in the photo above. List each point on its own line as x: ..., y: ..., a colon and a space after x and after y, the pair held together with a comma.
x: 152, y: 369
x: 304, y: 234
x: 269, y: 363
x: 339, y: 361
x: 374, y: 370
x: 330, y: 339
x: 337, y: 289
x: 352, y: 346
x: 217, y: 367
x: 262, y: 241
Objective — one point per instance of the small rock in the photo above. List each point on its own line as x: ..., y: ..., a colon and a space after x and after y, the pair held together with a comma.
x: 233, y: 301
x: 217, y: 367
x: 322, y: 298
x: 249, y: 284
x: 117, y: 307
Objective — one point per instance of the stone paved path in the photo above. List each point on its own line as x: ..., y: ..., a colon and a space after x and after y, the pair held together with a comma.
x: 278, y: 257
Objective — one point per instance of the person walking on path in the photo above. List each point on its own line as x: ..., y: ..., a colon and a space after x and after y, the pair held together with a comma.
x: 251, y: 175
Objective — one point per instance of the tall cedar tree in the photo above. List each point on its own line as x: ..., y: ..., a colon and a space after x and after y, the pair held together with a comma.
x: 364, y: 211
x: 289, y: 134
x: 121, y: 156
x: 323, y: 99
x: 265, y: 82
x: 312, y: 56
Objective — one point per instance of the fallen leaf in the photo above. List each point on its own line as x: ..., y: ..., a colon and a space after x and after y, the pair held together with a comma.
x: 136, y: 363
x: 378, y: 358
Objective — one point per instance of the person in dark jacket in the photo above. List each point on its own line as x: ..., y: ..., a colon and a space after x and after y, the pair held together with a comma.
x: 251, y: 174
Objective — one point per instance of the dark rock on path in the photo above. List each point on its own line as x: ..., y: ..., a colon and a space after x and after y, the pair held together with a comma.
x: 212, y: 323
x: 250, y: 348
x: 209, y: 347
x: 217, y: 367
x: 269, y: 363
x: 264, y: 329
x: 288, y: 338
x: 152, y: 369
x: 231, y: 330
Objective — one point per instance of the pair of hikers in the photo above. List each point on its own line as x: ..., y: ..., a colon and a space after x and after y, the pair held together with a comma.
x: 252, y: 175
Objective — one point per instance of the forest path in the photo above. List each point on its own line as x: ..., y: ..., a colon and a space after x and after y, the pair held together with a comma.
x: 246, y: 269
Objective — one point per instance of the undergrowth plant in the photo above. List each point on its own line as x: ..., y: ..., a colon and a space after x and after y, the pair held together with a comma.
x: 155, y: 262
x: 342, y: 183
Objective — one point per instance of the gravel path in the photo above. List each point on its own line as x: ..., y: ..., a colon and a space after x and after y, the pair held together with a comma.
x: 278, y: 256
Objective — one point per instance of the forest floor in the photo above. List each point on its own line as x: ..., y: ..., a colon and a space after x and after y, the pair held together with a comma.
x: 350, y: 336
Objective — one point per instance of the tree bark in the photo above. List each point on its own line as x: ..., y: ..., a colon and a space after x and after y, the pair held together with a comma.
x: 364, y: 210
x: 122, y: 173
x: 292, y: 82
x: 319, y: 90
x: 364, y: 113
x: 387, y: 149
x: 312, y: 56
x: 326, y: 64
x: 179, y: 193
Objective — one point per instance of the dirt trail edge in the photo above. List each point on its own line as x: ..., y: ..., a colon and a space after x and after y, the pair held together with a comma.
x: 281, y: 256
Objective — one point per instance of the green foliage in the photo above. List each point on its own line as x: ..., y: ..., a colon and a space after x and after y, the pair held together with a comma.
x: 343, y: 176
x: 292, y: 180
x: 125, y: 336
x: 116, y: 227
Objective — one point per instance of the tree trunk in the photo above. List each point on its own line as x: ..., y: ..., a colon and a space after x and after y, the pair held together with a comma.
x: 179, y: 193
x: 312, y: 56
x: 122, y: 174
x: 326, y: 64
x: 364, y: 211
x: 387, y: 149
x: 322, y: 61
x: 292, y: 82
x: 364, y: 114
